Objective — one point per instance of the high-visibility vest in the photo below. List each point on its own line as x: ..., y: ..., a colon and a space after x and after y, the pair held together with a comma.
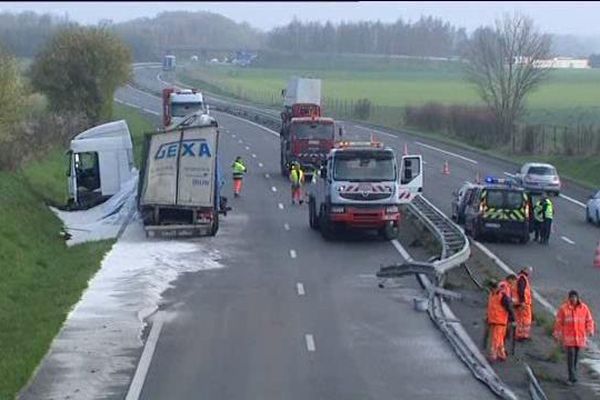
x: 573, y: 324
x: 538, y: 211
x: 296, y: 176
x: 549, y: 210
x: 496, y: 313
x: 527, y: 294
x: 238, y: 169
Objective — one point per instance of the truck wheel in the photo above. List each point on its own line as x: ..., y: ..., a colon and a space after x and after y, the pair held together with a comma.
x: 390, y: 232
x: 325, y: 225
x: 215, y: 226
x: 313, y: 221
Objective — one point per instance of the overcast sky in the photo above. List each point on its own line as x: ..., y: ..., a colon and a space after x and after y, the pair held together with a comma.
x: 579, y: 18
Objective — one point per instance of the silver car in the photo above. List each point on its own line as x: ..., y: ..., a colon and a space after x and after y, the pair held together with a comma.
x: 538, y: 177
x: 592, y: 209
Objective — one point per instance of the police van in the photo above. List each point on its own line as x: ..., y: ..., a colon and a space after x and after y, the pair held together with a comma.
x: 498, y: 208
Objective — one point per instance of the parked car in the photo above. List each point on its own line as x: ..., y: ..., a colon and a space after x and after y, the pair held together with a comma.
x: 538, y: 177
x: 592, y: 209
x: 460, y: 200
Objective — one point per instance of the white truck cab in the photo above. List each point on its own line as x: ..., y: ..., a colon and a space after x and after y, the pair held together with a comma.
x: 178, y: 104
x: 100, y: 163
x: 362, y: 187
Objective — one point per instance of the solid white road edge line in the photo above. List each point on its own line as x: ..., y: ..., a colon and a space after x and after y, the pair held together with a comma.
x: 300, y: 289
x: 293, y: 253
x: 310, y: 342
x: 401, y: 250
x: 135, y: 389
x: 447, y: 152
x: 375, y: 131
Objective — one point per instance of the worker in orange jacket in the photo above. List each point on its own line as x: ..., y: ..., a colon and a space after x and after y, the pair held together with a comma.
x: 499, y: 311
x: 523, y: 304
x: 573, y: 325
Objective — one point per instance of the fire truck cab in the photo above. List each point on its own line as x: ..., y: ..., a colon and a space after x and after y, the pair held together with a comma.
x: 362, y: 187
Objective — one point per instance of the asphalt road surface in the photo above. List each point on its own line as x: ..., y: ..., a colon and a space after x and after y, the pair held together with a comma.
x: 292, y: 316
x: 566, y: 263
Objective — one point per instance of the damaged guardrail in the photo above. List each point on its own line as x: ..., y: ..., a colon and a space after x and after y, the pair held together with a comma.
x: 455, y: 251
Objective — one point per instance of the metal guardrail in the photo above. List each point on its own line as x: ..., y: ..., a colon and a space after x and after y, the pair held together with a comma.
x: 535, y: 390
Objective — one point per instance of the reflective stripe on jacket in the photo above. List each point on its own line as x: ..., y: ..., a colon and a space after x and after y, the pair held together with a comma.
x: 296, y: 176
x: 238, y: 169
x: 573, y: 324
x: 538, y: 211
x: 548, y: 210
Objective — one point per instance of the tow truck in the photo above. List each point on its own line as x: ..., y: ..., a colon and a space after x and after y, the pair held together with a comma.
x: 362, y: 187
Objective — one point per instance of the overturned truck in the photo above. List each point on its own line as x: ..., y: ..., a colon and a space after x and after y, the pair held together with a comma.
x: 179, y: 191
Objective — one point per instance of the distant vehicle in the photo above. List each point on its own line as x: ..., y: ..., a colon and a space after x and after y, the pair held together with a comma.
x: 361, y: 187
x: 178, y: 104
x: 100, y: 162
x: 306, y: 136
x: 179, y: 189
x: 168, y: 63
x: 592, y: 209
x: 538, y: 177
x: 460, y: 200
x: 498, y: 208
x: 194, y: 58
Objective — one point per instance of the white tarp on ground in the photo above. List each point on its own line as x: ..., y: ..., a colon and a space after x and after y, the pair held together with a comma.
x: 103, y: 221
x: 96, y: 349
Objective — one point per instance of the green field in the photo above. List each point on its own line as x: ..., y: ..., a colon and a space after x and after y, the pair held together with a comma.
x: 568, y: 96
x: 42, y: 278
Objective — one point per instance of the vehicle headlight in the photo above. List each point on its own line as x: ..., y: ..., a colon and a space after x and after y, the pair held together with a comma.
x: 337, y: 209
x: 341, y: 188
x: 392, y: 209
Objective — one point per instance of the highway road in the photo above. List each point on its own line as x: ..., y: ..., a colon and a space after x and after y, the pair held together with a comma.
x: 292, y: 316
x: 566, y: 263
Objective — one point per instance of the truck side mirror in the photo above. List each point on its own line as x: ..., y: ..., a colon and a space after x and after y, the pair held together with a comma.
x: 283, y: 92
x: 340, y: 132
x: 207, y: 109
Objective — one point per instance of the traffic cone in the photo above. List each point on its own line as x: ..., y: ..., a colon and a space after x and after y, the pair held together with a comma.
x: 597, y: 257
x: 446, y: 170
x: 405, y: 149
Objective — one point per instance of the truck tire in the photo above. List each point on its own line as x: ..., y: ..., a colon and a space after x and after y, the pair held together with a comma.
x: 313, y: 220
x: 215, y: 226
x: 324, y: 225
x: 390, y: 232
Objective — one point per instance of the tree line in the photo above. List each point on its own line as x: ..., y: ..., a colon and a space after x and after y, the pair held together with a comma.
x: 426, y: 37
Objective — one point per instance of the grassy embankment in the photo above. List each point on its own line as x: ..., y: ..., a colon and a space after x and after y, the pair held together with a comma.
x: 568, y: 97
x: 42, y: 278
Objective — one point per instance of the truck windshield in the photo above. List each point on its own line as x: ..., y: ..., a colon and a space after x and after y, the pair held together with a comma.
x: 313, y: 131
x: 183, y: 109
x: 364, y: 166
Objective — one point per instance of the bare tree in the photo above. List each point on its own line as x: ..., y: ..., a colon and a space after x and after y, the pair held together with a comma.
x: 504, y: 64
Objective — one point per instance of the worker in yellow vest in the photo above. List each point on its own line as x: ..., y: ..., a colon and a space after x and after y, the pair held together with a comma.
x: 297, y: 179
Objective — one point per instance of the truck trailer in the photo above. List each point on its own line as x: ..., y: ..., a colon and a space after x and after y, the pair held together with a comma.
x: 179, y: 192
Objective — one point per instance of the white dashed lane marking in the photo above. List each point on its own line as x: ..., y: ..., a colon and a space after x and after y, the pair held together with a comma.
x: 300, y: 289
x: 273, y: 188
x: 253, y: 155
x: 261, y: 165
x: 286, y: 227
x: 310, y: 342
x: 566, y: 239
x: 293, y: 253
x: 280, y: 206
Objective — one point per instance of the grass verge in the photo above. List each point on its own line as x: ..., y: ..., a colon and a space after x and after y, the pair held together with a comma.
x: 42, y: 278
